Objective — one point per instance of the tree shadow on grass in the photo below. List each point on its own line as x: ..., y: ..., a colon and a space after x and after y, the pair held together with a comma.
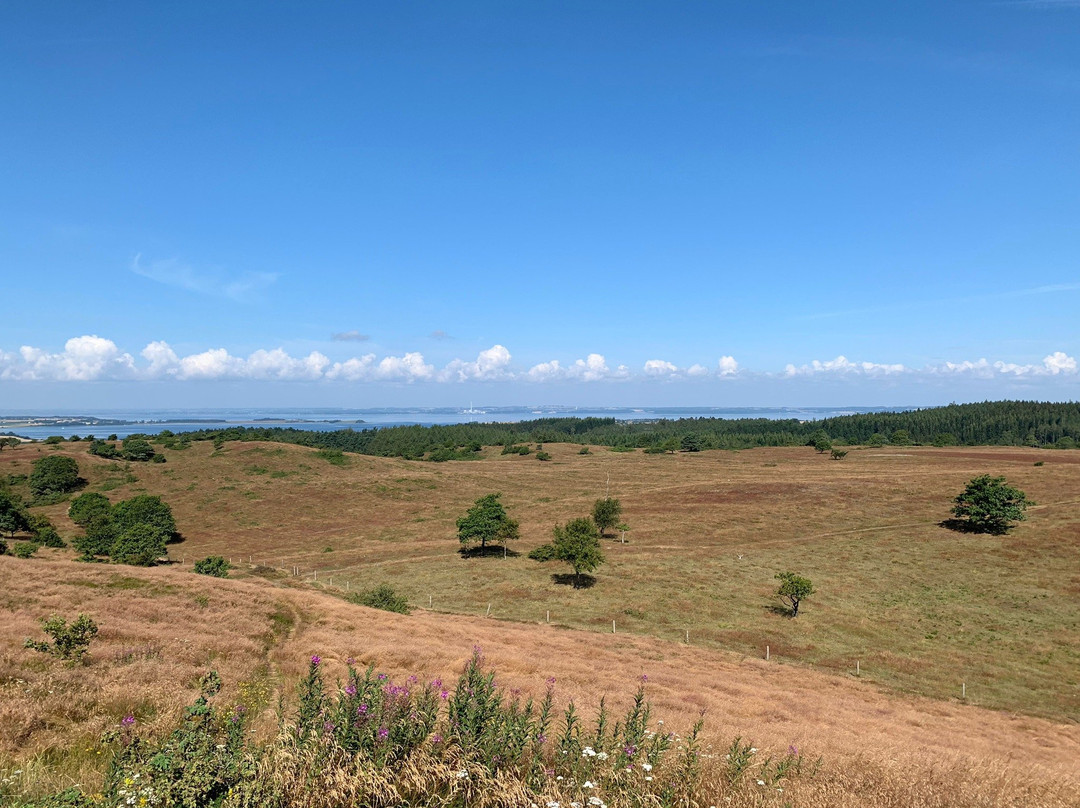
x: 492, y: 551
x: 966, y: 526
x: 778, y: 609
x: 569, y: 579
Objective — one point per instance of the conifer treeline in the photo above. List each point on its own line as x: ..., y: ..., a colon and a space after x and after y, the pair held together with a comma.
x: 996, y: 423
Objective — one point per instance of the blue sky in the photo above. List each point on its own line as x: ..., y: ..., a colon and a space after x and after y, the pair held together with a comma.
x: 397, y: 203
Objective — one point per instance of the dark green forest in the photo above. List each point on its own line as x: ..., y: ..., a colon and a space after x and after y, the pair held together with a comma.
x: 993, y: 423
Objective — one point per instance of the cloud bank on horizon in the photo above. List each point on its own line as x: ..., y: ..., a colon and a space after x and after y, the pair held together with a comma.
x: 91, y: 358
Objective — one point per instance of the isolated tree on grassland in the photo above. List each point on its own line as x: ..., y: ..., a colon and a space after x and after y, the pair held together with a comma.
x: 69, y: 643
x: 793, y: 590
x: 839, y: 454
x: 486, y: 521
x: 988, y: 505
x: 577, y: 543
x: 606, y: 513
x: 56, y: 474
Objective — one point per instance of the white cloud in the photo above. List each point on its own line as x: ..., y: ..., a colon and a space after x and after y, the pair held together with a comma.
x: 842, y: 366
x: 216, y: 363
x: 1056, y: 364
x: 94, y: 358
x: 490, y: 365
x: 593, y: 368
x: 660, y: 367
x: 85, y: 358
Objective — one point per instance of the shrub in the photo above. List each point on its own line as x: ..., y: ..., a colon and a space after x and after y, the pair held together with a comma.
x: 839, y: 454
x: 57, y: 474
x: 382, y: 597
x: 52, y: 440
x: 145, y: 509
x: 98, y: 539
x: 543, y: 456
x: 13, y: 516
x: 25, y: 549
x: 157, y: 458
x: 69, y: 643
x: 85, y: 507
x: 140, y: 545
x: 101, y: 448
x: 43, y: 531
x: 215, y: 566
x: 137, y: 448
x: 3, y: 547
x: 584, y: 450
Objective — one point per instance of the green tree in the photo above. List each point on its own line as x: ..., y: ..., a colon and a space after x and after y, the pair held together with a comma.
x: 216, y: 566
x: 988, y: 505
x: 56, y: 474
x: 900, y: 437
x: 822, y: 445
x: 578, y: 544
x: 140, y: 545
x: 86, y: 506
x: 839, y: 454
x: 44, y: 531
x: 606, y: 513
x: 102, y: 448
x: 137, y: 448
x: 13, y: 516
x: 692, y: 443
x: 486, y: 521
x: 98, y: 538
x: 793, y: 590
x: 145, y: 510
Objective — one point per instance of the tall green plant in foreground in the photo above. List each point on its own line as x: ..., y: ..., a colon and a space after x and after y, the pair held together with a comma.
x: 373, y: 742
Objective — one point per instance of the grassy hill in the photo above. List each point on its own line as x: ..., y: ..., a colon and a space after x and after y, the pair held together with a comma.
x: 922, y: 609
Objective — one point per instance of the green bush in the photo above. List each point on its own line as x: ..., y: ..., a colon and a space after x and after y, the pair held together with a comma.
x: 25, y: 549
x: 13, y: 516
x: 215, y: 566
x: 584, y: 450
x: 69, y: 643
x: 85, y: 507
x: 140, y: 545
x: 157, y: 458
x: 57, y: 474
x: 44, y: 532
x: 145, y: 509
x: 3, y: 547
x: 52, y: 440
x: 335, y: 457
x: 137, y: 448
x: 382, y: 597
x: 543, y: 456
x: 101, y: 448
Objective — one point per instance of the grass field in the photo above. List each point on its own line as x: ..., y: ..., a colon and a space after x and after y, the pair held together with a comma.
x: 922, y: 609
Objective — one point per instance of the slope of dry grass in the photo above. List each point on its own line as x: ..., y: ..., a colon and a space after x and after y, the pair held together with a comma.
x: 920, y: 608
x: 162, y: 628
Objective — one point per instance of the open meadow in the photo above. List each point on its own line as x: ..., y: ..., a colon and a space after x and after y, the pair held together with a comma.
x: 921, y: 609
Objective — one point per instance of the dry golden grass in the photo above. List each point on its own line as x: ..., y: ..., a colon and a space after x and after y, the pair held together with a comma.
x: 907, y: 751
x: 922, y: 608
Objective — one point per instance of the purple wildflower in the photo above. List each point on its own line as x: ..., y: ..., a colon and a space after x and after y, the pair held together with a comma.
x: 541, y: 738
x: 328, y: 727
x: 127, y: 721
x: 381, y: 677
x: 630, y: 751
x: 644, y: 678
x: 350, y: 689
x: 793, y: 750
x: 362, y: 710
x: 384, y: 733
x: 444, y: 694
x: 350, y: 661
x: 315, y: 660
x: 436, y: 738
